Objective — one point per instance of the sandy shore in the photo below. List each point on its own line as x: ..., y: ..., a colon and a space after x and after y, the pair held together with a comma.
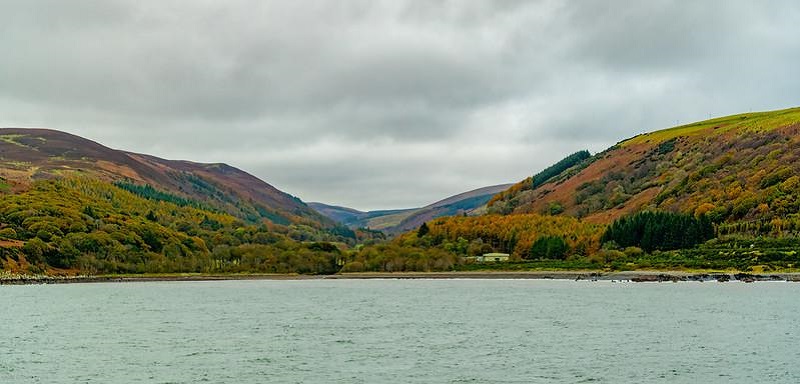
x: 634, y: 276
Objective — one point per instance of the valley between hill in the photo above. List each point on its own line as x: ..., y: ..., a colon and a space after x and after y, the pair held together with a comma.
x: 721, y: 194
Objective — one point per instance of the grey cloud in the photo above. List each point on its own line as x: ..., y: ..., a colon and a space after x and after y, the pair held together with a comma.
x: 378, y: 104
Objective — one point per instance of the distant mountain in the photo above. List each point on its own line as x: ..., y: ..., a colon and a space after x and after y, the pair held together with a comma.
x: 339, y: 214
x: 358, y: 219
x: 741, y: 171
x: 27, y: 155
x: 401, y: 220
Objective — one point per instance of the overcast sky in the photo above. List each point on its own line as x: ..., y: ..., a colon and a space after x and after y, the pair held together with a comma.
x: 388, y: 104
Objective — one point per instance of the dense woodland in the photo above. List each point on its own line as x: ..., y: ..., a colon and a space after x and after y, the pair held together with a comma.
x: 79, y: 225
x: 661, y: 231
x: 96, y: 227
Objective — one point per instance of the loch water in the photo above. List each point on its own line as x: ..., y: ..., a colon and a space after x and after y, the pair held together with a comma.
x: 400, y: 331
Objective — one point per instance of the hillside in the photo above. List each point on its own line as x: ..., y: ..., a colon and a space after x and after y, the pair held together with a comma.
x: 741, y: 171
x: 359, y: 219
x: 28, y: 155
x: 339, y: 214
x: 462, y: 204
x: 402, y: 220
x: 717, y: 194
x: 85, y: 225
x: 69, y: 205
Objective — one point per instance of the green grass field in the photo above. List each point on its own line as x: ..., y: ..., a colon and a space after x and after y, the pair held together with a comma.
x: 754, y: 121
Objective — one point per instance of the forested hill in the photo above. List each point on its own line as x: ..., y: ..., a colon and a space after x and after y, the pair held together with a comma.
x: 69, y: 205
x: 28, y: 155
x: 740, y: 171
x: 717, y: 194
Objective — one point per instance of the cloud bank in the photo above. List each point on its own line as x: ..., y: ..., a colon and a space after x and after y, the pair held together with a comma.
x: 388, y: 104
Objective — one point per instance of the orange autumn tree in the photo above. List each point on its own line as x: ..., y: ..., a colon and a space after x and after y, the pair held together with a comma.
x: 514, y: 234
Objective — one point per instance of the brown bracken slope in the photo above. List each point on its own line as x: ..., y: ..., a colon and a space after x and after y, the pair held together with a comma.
x: 27, y: 155
x: 740, y: 168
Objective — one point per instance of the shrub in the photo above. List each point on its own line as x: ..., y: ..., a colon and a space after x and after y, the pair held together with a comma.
x: 8, y: 233
x: 606, y: 256
x: 633, y: 252
x: 353, y: 266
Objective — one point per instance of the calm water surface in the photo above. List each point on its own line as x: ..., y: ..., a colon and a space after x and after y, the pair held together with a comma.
x: 400, y: 331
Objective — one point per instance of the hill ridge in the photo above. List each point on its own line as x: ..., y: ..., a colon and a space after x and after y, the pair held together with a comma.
x: 395, y: 221
x: 29, y: 154
x: 722, y: 166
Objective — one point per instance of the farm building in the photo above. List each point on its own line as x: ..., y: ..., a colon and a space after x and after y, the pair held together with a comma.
x: 491, y: 257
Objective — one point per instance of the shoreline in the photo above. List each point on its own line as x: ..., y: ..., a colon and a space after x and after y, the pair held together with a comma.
x: 622, y: 276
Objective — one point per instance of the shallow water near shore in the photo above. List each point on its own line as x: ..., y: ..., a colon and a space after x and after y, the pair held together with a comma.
x: 400, y: 331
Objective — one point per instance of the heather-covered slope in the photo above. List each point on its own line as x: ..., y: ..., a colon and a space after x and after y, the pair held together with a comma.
x: 736, y: 169
x: 69, y: 205
x: 27, y: 155
x: 717, y: 194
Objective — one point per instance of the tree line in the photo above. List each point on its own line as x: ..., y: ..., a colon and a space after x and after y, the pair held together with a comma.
x: 659, y: 231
